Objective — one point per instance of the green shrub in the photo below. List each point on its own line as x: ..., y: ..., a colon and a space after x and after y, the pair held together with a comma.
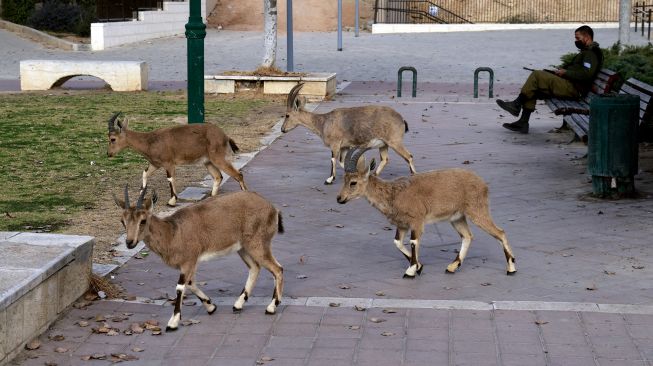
x: 628, y: 61
x: 56, y: 16
x: 17, y: 11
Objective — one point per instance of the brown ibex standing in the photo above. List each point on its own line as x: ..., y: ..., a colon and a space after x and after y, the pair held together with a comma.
x: 343, y: 128
x: 241, y: 222
x: 428, y: 197
x: 169, y: 147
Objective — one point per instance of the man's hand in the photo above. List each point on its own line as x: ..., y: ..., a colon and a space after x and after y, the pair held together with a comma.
x: 561, y: 72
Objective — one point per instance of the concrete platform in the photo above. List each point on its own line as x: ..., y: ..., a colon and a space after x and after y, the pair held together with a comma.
x: 40, y: 276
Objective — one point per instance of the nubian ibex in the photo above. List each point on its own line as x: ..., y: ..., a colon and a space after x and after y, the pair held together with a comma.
x: 242, y: 222
x: 409, y: 203
x: 169, y: 147
x: 343, y: 128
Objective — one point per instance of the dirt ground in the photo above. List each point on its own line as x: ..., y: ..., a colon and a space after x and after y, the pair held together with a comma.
x: 103, y: 221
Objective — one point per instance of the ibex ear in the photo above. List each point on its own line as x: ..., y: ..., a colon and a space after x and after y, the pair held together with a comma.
x: 123, y: 124
x: 361, y: 165
x: 151, y: 201
x: 297, y: 105
x: 301, y: 102
x: 372, y: 166
x: 118, y: 202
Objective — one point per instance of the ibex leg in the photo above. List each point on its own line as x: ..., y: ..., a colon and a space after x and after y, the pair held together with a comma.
x: 226, y: 167
x: 399, y: 243
x: 481, y: 217
x: 206, y: 301
x: 383, y: 153
x: 217, y: 177
x: 263, y: 255
x: 173, y: 323
x: 401, y: 150
x: 170, y: 172
x: 146, y: 173
x: 466, y: 235
x: 254, y: 270
x: 415, y: 266
x: 335, y: 151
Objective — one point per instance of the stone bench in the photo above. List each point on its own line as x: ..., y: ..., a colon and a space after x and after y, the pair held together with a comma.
x: 46, y: 74
x: 317, y: 86
x: 40, y: 276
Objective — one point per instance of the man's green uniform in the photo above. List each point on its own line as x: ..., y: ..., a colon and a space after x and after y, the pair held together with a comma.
x: 576, y: 82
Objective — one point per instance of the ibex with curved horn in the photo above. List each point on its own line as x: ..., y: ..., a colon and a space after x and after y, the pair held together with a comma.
x: 343, y: 128
x: 242, y: 222
x: 409, y: 203
x: 169, y: 147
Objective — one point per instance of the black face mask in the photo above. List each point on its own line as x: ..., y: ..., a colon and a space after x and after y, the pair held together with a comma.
x: 580, y: 45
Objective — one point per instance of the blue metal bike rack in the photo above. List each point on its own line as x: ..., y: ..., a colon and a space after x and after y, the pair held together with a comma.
x: 399, y: 79
x: 476, y: 72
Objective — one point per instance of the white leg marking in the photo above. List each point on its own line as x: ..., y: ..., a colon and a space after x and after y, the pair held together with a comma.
x: 181, y: 288
x: 412, y: 270
x: 172, y: 201
x: 402, y: 248
x: 272, y: 308
x: 144, y: 178
x: 174, y: 321
x: 511, y: 266
x: 216, y: 185
x: 330, y: 179
x: 240, y: 301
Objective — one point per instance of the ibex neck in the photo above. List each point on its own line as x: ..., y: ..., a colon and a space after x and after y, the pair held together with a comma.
x: 158, y: 235
x: 380, y: 194
x: 138, y: 141
x: 313, y: 122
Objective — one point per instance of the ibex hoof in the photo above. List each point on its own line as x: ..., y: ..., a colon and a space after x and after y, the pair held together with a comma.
x: 268, y: 312
x: 447, y: 271
x: 327, y: 182
x: 409, y: 276
x: 170, y: 329
x: 236, y: 310
x: 511, y: 273
x: 419, y: 271
x: 212, y: 310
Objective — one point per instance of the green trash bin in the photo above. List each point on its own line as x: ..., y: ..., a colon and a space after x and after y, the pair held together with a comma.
x: 612, y: 144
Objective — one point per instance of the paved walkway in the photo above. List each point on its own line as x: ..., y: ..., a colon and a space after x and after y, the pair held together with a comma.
x: 581, y: 295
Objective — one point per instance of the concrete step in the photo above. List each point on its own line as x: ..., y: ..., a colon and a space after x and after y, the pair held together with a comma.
x: 40, y: 276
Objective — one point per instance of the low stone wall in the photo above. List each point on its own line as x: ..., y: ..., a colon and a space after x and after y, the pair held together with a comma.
x: 150, y: 24
x: 317, y: 86
x: 40, y: 276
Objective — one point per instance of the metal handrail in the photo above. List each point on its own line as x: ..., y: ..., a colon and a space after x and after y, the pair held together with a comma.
x: 405, y: 9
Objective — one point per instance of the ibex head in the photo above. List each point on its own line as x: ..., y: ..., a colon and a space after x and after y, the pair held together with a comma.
x: 117, y: 135
x: 293, y: 105
x: 357, y: 175
x: 135, y: 218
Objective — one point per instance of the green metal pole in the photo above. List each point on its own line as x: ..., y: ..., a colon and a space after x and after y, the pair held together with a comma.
x: 195, y: 34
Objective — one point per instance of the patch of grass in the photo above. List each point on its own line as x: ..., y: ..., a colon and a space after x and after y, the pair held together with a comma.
x: 53, y: 148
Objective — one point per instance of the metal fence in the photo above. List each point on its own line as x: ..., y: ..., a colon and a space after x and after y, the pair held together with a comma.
x: 120, y: 10
x: 497, y: 11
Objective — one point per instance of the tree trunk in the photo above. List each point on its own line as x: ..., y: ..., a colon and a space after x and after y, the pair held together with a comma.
x: 270, y: 14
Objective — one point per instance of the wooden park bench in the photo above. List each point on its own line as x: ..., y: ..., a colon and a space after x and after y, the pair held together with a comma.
x: 632, y: 86
x: 570, y: 108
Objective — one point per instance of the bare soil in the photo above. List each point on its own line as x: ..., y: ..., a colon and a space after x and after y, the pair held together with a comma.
x: 102, y: 221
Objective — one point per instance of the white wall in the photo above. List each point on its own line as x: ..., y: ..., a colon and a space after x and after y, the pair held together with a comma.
x: 150, y: 24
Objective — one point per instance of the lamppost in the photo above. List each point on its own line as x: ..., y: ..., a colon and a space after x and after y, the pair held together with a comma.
x: 195, y: 34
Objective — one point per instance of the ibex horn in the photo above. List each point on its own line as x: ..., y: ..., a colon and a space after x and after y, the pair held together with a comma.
x: 292, y: 95
x: 112, y: 121
x: 139, y: 203
x: 351, y: 159
x: 126, y: 196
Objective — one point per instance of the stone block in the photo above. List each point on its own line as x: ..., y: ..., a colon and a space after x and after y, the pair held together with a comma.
x: 73, y: 280
x: 120, y: 75
x: 213, y: 86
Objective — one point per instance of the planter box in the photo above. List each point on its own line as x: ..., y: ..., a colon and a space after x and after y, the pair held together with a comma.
x: 317, y: 86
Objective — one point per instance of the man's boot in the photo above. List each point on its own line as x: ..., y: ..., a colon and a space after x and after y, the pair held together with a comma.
x: 521, y: 125
x: 513, y: 107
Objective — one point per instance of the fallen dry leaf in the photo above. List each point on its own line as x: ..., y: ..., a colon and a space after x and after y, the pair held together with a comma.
x: 35, y: 344
x: 387, y: 334
x: 57, y: 337
x: 344, y: 287
x: 486, y: 284
x: 301, y: 276
x: 359, y: 307
x: 61, y: 350
x: 389, y: 311
x: 82, y: 323
x: 380, y: 293
x: 609, y: 272
x: 334, y: 304
x: 98, y: 356
x: 340, y: 226
x: 638, y: 267
x: 136, y: 349
x: 100, y: 318
x: 541, y: 322
x: 354, y: 327
x: 152, y: 322
x: 377, y: 320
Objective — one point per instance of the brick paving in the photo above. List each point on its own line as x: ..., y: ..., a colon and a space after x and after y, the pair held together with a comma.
x: 581, y: 295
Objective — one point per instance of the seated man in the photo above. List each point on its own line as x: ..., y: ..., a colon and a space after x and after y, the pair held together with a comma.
x: 572, y: 81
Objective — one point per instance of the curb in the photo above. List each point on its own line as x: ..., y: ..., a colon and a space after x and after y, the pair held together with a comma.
x: 43, y: 37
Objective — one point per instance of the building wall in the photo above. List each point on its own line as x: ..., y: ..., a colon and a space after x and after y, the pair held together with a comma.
x: 308, y: 15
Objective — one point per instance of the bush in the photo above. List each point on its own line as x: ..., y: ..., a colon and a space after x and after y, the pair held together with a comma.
x: 56, y: 17
x: 629, y: 61
x: 17, y: 11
